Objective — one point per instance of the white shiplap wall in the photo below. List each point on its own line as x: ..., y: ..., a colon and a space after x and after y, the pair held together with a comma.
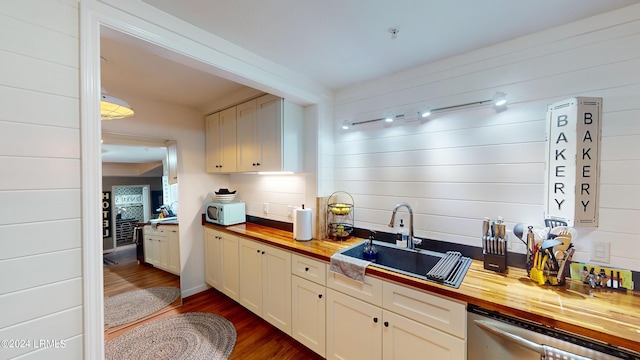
x: 40, y: 226
x: 463, y: 165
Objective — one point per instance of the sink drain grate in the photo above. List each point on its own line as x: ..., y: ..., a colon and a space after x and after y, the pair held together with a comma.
x: 450, y: 270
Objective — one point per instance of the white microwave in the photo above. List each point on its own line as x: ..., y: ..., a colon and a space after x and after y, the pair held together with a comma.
x: 225, y: 214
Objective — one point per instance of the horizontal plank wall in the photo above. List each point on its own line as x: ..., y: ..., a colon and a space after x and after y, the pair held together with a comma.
x: 460, y: 166
x: 40, y: 227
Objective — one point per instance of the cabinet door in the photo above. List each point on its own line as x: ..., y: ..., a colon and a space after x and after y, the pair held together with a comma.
x: 269, y: 121
x: 173, y: 248
x: 354, y: 328
x: 151, y: 250
x: 230, y: 265
x: 308, y: 311
x: 227, y: 140
x: 213, y: 258
x: 251, y: 275
x: 247, y: 136
x: 276, y: 288
x: 404, y: 339
x: 212, y: 143
x: 162, y: 245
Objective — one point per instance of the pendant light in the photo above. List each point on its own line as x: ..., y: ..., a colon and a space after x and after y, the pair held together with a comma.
x: 112, y: 108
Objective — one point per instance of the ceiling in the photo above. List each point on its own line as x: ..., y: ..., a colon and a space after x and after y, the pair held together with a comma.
x: 336, y: 43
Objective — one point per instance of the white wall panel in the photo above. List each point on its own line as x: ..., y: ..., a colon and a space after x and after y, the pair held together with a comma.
x: 51, y: 204
x: 460, y: 166
x: 34, y: 173
x: 38, y: 270
x: 51, y: 109
x: 38, y: 75
x: 41, y: 258
x: 28, y: 304
x: 31, y: 140
x: 39, y: 238
x: 63, y: 325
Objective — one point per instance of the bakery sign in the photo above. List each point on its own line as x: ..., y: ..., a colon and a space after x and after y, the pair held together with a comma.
x: 573, y: 160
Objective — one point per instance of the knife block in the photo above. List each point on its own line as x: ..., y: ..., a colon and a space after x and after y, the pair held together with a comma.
x: 495, y: 262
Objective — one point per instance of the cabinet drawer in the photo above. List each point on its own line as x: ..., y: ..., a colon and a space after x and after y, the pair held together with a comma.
x: 310, y: 269
x: 432, y: 310
x: 149, y: 230
x: 369, y: 291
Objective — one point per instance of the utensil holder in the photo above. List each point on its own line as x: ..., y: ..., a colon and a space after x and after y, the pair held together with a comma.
x: 495, y: 262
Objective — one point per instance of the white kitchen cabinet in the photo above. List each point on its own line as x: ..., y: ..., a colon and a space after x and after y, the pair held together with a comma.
x: 221, y: 142
x: 308, y: 302
x: 221, y: 262
x: 162, y: 247
x: 403, y: 338
x: 404, y: 321
x: 308, y: 314
x: 265, y: 282
x: 269, y: 135
x: 354, y: 328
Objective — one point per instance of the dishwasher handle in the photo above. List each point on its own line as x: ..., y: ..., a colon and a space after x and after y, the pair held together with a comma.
x: 545, y: 351
x: 511, y: 337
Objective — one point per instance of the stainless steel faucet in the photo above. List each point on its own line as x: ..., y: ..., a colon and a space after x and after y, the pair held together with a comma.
x: 410, y: 243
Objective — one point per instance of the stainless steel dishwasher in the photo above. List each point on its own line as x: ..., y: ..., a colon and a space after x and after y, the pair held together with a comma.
x: 491, y: 335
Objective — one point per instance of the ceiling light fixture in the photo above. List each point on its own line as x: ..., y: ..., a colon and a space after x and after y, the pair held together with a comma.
x: 389, y: 118
x: 499, y: 101
x: 424, y: 112
x: 112, y: 108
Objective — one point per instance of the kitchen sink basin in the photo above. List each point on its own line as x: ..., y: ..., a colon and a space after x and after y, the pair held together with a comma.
x: 417, y: 263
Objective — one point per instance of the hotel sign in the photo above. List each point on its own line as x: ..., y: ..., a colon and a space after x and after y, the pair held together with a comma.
x: 573, y: 160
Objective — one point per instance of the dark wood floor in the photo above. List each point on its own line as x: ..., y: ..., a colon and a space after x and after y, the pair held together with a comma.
x: 257, y: 339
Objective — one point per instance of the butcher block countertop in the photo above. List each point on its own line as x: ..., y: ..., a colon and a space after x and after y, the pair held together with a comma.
x: 609, y: 316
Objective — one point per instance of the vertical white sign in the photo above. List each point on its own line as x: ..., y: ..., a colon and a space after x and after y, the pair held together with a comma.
x: 573, y: 160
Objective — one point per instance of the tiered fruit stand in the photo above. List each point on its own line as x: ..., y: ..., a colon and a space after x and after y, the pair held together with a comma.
x: 340, y: 215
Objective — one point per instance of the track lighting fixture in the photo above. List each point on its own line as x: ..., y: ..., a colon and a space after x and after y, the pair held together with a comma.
x: 499, y: 100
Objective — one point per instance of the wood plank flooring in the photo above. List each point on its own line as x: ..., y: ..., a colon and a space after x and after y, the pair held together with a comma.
x: 257, y: 339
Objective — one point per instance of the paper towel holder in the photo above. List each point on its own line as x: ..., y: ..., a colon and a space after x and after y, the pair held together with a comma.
x: 302, y: 224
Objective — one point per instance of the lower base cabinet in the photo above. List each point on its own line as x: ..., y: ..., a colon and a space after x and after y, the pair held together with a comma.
x: 358, y: 330
x: 221, y: 262
x: 308, y: 315
x: 265, y: 282
x: 354, y: 328
x: 162, y: 248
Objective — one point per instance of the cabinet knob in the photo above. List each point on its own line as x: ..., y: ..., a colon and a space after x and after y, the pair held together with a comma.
x: 319, y: 296
x: 375, y: 319
x: 257, y: 164
x: 263, y: 253
x: 306, y: 269
x: 258, y: 251
x: 386, y: 324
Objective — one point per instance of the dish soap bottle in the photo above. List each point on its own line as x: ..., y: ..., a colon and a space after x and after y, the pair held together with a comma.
x: 402, y: 236
x: 370, y: 253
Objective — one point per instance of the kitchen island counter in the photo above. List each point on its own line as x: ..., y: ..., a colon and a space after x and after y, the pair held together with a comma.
x: 606, y: 315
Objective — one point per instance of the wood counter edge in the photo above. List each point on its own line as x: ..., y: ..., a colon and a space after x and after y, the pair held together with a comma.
x: 276, y: 238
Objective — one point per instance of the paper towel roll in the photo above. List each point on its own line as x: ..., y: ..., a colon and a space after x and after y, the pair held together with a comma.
x: 302, y: 225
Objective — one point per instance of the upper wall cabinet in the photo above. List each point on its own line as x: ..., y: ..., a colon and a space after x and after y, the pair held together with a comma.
x: 221, y: 142
x: 269, y: 135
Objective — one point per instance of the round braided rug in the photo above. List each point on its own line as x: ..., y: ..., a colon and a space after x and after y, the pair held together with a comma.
x: 193, y: 335
x: 134, y: 305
